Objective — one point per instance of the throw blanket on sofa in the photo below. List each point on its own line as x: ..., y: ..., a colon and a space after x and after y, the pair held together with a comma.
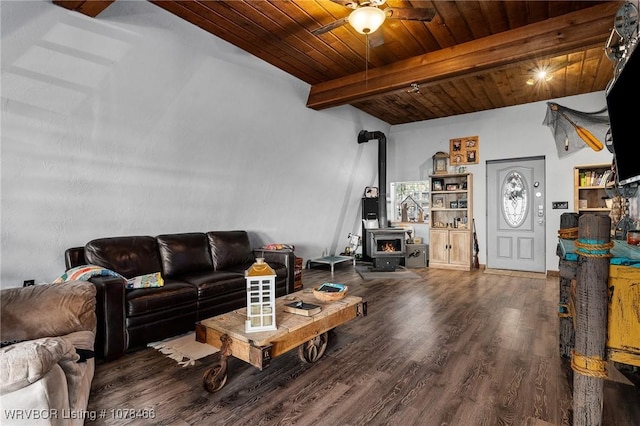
x: 27, y: 362
x: 85, y: 272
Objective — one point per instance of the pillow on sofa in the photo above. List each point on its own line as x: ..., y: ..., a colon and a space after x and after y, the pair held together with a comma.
x: 146, y: 281
x: 84, y: 272
x: 230, y: 248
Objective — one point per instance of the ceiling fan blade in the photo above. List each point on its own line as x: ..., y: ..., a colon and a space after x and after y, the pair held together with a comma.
x: 331, y: 26
x: 351, y: 4
x: 375, y: 39
x: 411, y: 14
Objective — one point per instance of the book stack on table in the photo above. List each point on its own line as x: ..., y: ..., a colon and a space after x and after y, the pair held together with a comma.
x: 302, y: 308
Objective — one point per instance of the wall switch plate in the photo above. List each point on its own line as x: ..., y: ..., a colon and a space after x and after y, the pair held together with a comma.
x: 27, y: 283
x: 560, y: 205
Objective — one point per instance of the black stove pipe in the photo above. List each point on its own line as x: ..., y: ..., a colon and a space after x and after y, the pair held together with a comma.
x: 363, y: 137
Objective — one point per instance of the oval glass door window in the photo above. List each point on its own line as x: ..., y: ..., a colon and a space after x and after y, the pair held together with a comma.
x: 515, y: 199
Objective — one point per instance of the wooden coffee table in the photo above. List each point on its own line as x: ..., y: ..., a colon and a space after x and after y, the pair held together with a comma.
x: 307, y: 333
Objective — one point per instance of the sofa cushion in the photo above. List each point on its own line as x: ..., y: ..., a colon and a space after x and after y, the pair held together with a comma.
x: 146, y: 300
x: 217, y: 283
x: 184, y: 253
x: 229, y: 248
x: 128, y: 256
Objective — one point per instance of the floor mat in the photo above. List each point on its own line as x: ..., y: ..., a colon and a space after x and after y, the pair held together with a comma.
x: 184, y: 349
x: 399, y: 274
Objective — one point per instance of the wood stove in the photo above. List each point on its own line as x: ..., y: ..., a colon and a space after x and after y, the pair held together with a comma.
x: 386, y: 248
x: 384, y: 245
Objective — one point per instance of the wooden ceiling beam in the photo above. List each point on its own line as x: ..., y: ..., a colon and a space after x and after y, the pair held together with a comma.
x: 561, y: 35
x: 90, y: 8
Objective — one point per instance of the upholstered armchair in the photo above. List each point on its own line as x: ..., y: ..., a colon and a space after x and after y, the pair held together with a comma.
x: 46, y: 362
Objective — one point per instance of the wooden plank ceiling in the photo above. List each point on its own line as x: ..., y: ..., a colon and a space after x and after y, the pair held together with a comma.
x: 473, y: 56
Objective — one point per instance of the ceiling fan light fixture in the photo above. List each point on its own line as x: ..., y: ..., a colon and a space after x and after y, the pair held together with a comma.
x: 367, y: 19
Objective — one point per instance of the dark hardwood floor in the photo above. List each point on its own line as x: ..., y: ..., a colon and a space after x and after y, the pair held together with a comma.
x: 449, y: 348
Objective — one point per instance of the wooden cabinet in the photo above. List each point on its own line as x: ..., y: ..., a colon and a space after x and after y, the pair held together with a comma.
x: 589, y: 195
x: 451, y: 214
x: 450, y: 248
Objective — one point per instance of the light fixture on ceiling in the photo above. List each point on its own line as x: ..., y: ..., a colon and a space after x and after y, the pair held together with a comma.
x: 367, y: 19
x: 539, y: 75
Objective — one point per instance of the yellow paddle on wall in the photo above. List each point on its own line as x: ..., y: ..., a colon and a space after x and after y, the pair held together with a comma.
x: 584, y: 134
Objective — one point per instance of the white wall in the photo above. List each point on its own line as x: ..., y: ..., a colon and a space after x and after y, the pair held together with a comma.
x: 138, y: 123
x: 504, y: 133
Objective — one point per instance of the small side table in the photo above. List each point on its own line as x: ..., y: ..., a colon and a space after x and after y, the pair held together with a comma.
x: 331, y: 261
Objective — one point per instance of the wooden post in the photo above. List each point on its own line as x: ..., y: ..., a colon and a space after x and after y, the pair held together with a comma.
x: 588, y: 360
x: 568, y: 273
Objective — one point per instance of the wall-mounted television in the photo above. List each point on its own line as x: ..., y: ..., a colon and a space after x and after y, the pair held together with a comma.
x: 623, y: 103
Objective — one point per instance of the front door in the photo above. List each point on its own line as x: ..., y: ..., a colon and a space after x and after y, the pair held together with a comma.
x: 516, y: 214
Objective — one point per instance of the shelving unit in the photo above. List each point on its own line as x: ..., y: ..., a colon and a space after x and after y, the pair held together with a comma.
x: 451, y: 215
x: 588, y: 188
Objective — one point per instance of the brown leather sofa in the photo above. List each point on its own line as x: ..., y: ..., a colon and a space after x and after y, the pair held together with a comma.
x: 203, y: 276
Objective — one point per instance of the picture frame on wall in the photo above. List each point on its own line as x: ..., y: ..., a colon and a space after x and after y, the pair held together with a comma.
x: 464, y: 150
x: 462, y: 204
x: 437, y: 184
x: 438, y: 202
x: 471, y: 156
x: 453, y: 204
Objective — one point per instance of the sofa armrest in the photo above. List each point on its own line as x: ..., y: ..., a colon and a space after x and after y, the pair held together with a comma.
x: 110, y: 310
x: 284, y: 257
x: 47, y: 310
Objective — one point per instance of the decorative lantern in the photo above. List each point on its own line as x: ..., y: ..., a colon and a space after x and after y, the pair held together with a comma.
x: 440, y: 162
x: 261, y: 297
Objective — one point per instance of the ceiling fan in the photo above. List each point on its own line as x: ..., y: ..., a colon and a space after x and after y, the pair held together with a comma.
x: 367, y: 17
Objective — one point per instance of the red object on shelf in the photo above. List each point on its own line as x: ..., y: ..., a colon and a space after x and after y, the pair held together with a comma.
x: 633, y: 237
